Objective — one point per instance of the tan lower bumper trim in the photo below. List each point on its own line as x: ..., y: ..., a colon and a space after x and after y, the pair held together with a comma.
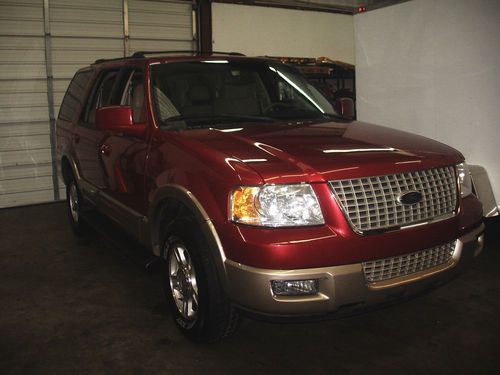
x: 338, y: 285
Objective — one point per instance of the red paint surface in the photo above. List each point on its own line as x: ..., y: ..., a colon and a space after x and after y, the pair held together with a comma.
x: 210, y: 163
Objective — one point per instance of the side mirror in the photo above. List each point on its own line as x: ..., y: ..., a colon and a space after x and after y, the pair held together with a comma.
x: 118, y: 119
x: 345, y: 107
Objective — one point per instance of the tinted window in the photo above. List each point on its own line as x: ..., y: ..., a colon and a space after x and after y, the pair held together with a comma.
x: 207, y: 91
x: 74, y: 95
x: 133, y: 95
x: 101, y: 96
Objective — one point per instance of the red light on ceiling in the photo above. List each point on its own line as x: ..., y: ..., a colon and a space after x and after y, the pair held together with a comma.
x: 361, y: 9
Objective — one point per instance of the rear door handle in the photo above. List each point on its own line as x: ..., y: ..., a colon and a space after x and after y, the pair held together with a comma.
x: 76, y: 137
x: 105, y: 149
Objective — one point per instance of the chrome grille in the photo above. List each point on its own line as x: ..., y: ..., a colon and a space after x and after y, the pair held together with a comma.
x: 371, y: 203
x: 389, y: 268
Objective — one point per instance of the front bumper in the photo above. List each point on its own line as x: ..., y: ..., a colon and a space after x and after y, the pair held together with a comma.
x: 340, y: 286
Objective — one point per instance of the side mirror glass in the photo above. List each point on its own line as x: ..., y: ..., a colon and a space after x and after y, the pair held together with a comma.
x: 118, y: 119
x: 345, y: 107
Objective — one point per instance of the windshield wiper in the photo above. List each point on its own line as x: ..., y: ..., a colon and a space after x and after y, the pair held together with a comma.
x: 336, y: 116
x: 215, y: 119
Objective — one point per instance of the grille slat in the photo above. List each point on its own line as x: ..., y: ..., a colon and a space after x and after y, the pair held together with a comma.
x: 407, y: 264
x: 371, y: 203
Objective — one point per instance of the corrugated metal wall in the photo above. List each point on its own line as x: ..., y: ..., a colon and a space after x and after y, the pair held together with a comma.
x: 163, y: 26
x: 82, y: 32
x: 78, y: 33
x: 25, y: 157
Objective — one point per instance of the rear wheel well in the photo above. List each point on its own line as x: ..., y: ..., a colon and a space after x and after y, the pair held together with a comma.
x: 66, y: 170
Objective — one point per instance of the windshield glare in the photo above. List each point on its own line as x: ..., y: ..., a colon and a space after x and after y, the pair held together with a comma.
x: 197, y: 92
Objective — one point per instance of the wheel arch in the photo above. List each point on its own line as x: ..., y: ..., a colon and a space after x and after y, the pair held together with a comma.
x: 174, y: 201
x: 68, y: 169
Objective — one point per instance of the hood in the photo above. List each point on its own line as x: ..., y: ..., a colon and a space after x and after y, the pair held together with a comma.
x: 317, y: 152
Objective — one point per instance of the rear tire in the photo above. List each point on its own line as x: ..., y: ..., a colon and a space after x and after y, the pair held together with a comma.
x: 199, y: 306
x: 74, y: 204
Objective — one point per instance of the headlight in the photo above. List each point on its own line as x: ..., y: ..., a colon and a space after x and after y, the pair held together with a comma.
x: 464, y: 179
x: 276, y: 205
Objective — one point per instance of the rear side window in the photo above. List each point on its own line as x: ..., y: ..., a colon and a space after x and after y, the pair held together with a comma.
x: 74, y: 95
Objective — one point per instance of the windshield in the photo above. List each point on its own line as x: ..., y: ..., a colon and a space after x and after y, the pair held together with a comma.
x: 202, y: 93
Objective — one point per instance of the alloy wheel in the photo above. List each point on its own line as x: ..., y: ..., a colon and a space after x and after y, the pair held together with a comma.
x: 74, y: 202
x: 183, y: 284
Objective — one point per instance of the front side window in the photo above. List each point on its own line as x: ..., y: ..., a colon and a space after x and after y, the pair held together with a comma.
x: 102, y: 96
x: 133, y: 95
x: 193, y: 94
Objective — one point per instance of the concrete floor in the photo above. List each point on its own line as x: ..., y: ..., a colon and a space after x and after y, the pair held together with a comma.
x: 69, y: 305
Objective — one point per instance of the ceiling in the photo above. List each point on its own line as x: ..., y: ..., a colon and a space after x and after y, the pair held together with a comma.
x: 344, y: 6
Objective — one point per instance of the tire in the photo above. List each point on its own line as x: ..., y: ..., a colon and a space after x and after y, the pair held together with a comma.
x: 74, y: 204
x: 199, y: 306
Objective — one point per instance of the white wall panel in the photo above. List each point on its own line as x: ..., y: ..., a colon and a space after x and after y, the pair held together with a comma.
x: 432, y: 67
x: 256, y: 31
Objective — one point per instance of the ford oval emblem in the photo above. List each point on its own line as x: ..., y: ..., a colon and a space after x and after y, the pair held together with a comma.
x: 410, y: 197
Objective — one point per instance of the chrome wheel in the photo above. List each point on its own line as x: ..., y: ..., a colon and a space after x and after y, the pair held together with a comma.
x: 74, y: 203
x: 182, y: 278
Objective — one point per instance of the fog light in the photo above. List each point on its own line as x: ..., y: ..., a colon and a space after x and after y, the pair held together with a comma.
x: 295, y: 287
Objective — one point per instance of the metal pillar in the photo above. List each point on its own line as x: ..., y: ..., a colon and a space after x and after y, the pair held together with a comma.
x: 126, y: 34
x: 50, y: 97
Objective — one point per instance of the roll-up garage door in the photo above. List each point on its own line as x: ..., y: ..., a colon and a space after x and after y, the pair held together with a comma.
x: 82, y: 32
x: 25, y: 150
x: 42, y: 44
x: 160, y: 25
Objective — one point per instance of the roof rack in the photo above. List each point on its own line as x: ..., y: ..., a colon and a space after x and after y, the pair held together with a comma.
x: 144, y: 53
x: 99, y: 61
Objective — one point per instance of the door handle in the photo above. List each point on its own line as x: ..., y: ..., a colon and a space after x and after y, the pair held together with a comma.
x: 105, y: 149
x: 76, y: 137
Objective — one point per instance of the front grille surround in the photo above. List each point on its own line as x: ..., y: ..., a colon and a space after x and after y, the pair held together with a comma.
x: 407, y: 264
x: 372, y: 203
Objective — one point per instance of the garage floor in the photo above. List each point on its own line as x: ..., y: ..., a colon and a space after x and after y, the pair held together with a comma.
x: 69, y: 305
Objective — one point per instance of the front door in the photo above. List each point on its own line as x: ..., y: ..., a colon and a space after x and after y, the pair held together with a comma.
x: 87, y: 139
x: 123, y: 156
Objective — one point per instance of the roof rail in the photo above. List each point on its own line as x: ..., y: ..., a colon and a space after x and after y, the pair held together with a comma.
x: 139, y: 54
x: 142, y: 54
x: 99, y: 61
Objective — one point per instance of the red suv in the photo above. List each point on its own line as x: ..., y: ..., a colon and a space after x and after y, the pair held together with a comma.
x: 239, y: 174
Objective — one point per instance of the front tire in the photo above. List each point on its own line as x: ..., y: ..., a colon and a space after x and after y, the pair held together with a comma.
x: 200, y: 308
